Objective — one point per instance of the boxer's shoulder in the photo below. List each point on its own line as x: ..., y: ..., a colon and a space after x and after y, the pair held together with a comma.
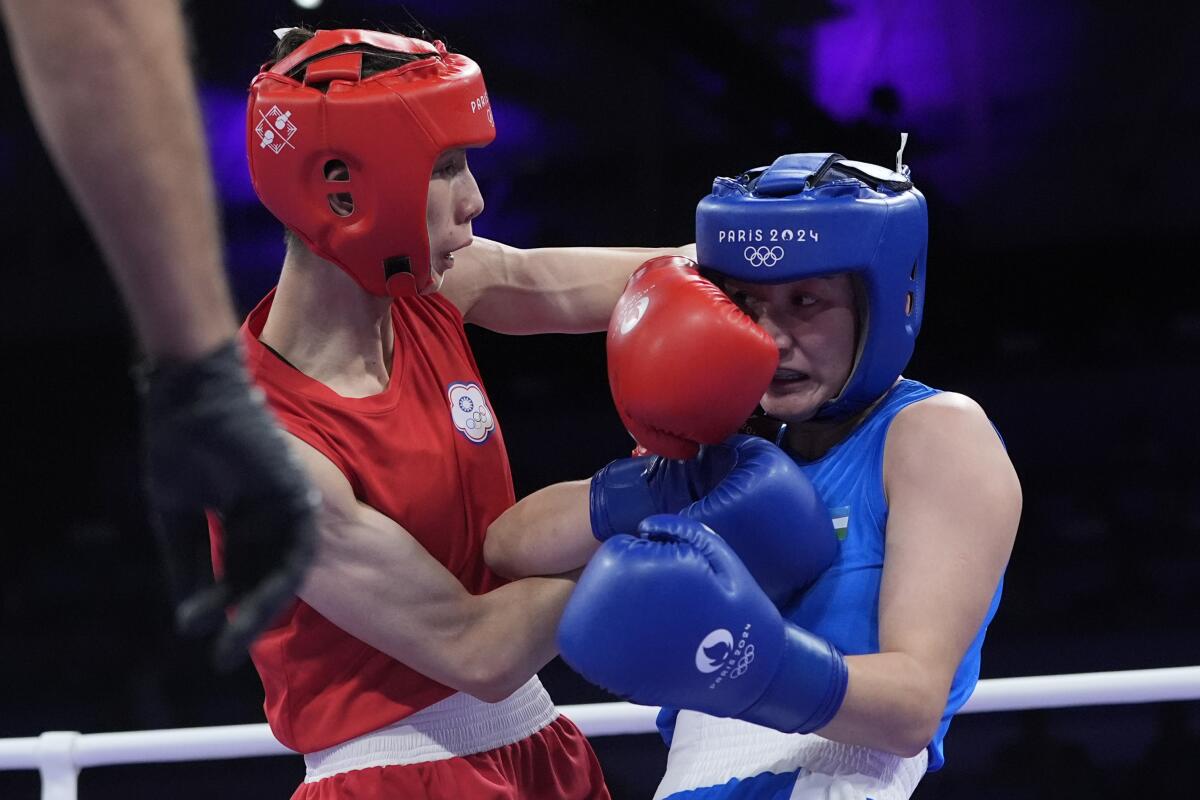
x: 944, y: 440
x: 930, y: 414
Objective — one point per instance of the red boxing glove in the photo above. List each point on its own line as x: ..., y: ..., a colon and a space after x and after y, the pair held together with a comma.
x: 685, y: 365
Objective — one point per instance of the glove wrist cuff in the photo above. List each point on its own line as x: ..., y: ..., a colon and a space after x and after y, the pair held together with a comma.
x: 620, y: 497
x: 808, y: 688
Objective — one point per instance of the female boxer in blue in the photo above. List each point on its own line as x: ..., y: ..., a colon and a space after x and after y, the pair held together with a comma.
x: 809, y: 659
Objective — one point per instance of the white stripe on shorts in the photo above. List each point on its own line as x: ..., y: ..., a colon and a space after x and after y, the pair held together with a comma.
x: 711, y: 751
x: 460, y: 725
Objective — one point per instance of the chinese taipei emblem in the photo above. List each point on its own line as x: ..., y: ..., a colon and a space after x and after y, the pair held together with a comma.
x: 470, y: 413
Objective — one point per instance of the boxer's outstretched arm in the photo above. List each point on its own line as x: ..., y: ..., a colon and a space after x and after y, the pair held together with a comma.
x: 373, y: 580
x: 110, y: 89
x: 544, y: 290
x: 954, y: 502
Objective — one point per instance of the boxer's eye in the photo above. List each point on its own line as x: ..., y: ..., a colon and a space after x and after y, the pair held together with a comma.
x: 803, y: 300
x: 450, y: 166
x: 742, y: 301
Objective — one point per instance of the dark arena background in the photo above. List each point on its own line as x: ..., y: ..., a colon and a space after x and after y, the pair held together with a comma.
x: 1056, y: 143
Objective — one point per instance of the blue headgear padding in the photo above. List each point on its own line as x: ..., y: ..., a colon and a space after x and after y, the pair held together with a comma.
x: 814, y: 214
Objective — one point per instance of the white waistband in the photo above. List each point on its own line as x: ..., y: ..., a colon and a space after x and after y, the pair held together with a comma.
x: 457, y: 726
x: 710, y: 751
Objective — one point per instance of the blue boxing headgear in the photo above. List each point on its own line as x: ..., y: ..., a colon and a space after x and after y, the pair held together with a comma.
x: 815, y: 214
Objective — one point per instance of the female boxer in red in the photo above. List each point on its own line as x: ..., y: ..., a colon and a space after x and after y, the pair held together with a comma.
x: 405, y: 668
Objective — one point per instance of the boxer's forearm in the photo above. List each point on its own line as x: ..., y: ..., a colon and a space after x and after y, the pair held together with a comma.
x: 110, y: 89
x: 397, y: 602
x: 547, y: 533
x: 892, y: 703
x: 544, y: 290
x: 374, y: 580
x: 512, y: 634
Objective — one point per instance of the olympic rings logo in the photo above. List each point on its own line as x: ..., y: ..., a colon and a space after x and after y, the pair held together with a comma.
x: 743, y: 663
x: 763, y: 256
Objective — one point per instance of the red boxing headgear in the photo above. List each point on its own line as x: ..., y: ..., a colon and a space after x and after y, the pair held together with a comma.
x: 387, y: 129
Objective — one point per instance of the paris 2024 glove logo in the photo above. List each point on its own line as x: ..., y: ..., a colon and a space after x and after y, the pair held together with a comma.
x: 719, y: 653
x: 470, y: 413
x: 714, y: 650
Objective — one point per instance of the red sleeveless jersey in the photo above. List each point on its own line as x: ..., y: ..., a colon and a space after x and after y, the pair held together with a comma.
x: 428, y: 453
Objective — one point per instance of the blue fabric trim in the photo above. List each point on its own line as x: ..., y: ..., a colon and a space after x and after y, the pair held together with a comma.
x: 765, y: 786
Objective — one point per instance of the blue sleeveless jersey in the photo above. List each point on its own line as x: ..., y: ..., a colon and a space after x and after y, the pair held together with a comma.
x: 843, y: 604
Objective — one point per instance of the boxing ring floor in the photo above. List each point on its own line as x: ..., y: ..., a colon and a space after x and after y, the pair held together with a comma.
x: 60, y: 755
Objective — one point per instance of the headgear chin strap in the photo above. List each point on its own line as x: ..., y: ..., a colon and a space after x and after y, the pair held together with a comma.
x: 387, y: 129
x: 816, y: 214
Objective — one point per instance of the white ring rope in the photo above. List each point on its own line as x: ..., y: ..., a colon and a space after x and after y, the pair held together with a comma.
x: 61, y: 754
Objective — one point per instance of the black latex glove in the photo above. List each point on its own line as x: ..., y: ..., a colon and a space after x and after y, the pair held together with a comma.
x: 212, y: 444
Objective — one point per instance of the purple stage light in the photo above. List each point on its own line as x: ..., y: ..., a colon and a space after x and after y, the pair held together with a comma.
x: 935, y: 56
x: 225, y: 126
x: 518, y: 128
x: 978, y: 84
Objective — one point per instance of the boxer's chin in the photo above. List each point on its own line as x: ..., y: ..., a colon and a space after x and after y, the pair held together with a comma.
x: 436, y: 277
x: 438, y: 267
x: 795, y: 403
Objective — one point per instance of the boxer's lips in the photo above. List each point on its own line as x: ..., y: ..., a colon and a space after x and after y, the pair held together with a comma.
x: 448, y: 256
x: 788, y: 381
x: 788, y: 376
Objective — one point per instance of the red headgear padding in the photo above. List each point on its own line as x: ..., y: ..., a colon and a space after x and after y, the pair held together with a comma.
x: 387, y: 129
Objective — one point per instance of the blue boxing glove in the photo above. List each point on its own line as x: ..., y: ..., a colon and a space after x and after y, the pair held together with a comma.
x: 626, y: 491
x: 747, y: 490
x: 674, y: 618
